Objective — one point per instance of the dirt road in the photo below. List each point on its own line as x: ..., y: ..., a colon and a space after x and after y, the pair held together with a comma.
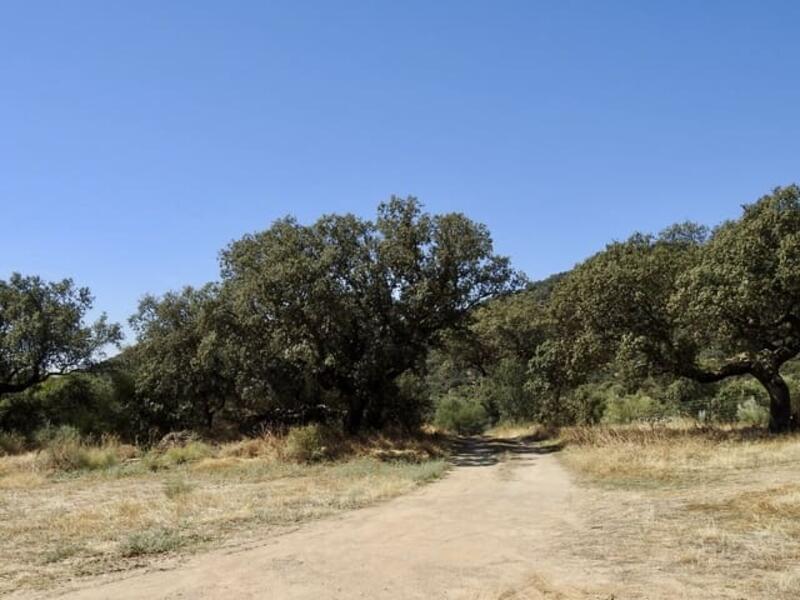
x: 495, y: 527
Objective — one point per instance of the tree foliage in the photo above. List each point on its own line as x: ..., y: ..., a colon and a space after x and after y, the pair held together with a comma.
x: 183, y: 372
x: 43, y: 331
x: 412, y: 316
x: 354, y: 304
x: 701, y: 307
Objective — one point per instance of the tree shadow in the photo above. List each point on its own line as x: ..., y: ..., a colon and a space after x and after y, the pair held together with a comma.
x: 480, y: 451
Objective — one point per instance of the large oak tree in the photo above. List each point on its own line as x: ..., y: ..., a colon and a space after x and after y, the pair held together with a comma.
x: 356, y: 303
x: 701, y: 307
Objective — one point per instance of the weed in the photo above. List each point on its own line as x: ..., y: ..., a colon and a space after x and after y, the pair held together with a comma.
x: 311, y: 443
x: 152, y: 541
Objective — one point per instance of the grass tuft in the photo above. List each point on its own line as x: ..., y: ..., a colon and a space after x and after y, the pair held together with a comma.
x: 152, y: 541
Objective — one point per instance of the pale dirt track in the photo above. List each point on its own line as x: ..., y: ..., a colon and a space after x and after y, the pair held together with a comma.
x: 499, y: 526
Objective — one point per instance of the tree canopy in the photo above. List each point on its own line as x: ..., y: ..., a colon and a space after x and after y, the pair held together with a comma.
x: 385, y: 321
x: 183, y: 372
x: 355, y: 303
x: 332, y: 314
x: 43, y: 331
x: 698, y: 306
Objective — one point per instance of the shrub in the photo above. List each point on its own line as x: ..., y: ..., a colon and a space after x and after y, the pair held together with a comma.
x: 584, y: 405
x: 724, y: 405
x: 466, y: 416
x: 152, y: 541
x: 191, y: 452
x: 264, y: 446
x: 630, y: 408
x: 311, y: 443
x: 11, y: 443
x: 63, y: 447
x: 505, y: 393
x: 47, y: 434
x: 99, y: 457
x: 178, y: 455
x: 92, y: 403
x: 751, y: 412
x: 66, y: 450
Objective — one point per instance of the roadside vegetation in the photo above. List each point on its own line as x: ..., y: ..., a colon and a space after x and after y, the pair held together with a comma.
x: 713, y: 506
x: 668, y: 362
x: 76, y: 507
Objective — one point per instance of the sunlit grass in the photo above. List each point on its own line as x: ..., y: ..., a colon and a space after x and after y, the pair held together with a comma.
x: 61, y: 519
x: 714, y: 505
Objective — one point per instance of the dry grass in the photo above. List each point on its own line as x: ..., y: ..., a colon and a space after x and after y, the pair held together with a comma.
x: 61, y: 522
x: 630, y: 455
x: 717, y: 509
x: 527, y: 431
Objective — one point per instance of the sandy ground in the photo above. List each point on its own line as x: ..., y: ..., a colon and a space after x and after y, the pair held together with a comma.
x: 500, y: 526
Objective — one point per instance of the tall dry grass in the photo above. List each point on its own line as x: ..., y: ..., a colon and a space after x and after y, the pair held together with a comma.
x: 718, y: 508
x: 629, y: 454
x: 76, y: 508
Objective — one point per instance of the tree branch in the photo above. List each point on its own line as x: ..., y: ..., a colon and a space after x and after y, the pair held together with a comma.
x: 742, y: 367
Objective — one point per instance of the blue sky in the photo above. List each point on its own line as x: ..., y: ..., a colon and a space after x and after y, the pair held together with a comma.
x: 138, y: 138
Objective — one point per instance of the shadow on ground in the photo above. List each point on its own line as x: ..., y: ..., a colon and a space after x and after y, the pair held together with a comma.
x: 483, y: 451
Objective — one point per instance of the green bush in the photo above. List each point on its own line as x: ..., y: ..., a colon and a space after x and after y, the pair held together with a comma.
x: 732, y: 394
x: 630, y: 408
x: 505, y: 392
x: 310, y: 443
x: 751, y: 412
x: 92, y: 403
x: 585, y: 405
x: 178, y: 455
x: 152, y: 541
x: 462, y: 415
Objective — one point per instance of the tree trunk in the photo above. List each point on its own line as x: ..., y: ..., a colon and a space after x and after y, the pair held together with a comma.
x: 15, y: 388
x: 354, y: 419
x: 780, y: 406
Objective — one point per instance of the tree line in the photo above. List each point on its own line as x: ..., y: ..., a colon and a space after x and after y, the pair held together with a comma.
x: 395, y: 320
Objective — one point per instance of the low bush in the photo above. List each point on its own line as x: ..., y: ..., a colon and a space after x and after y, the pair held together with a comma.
x: 630, y: 408
x: 311, y: 443
x: 750, y: 412
x: 465, y: 416
x: 152, y: 541
x: 191, y: 452
x: 65, y: 450
x: 178, y: 455
x: 267, y: 445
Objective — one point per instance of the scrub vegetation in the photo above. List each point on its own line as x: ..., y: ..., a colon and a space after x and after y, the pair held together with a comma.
x: 77, y: 507
x: 299, y: 383
x: 714, y: 503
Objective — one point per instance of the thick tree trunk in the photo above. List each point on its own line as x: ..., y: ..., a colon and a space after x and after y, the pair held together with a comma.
x: 15, y: 388
x: 354, y: 419
x: 780, y: 406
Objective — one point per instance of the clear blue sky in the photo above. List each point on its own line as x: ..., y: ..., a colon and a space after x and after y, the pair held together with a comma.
x: 138, y: 138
